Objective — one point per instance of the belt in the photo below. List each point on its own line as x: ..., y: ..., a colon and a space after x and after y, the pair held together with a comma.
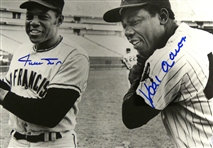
x: 44, y: 137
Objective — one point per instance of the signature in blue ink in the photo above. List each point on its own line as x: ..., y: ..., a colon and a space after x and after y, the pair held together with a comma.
x: 165, y: 66
x: 152, y: 90
x: 49, y: 61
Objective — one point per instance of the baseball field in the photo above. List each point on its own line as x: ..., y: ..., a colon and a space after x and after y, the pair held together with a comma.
x: 99, y: 121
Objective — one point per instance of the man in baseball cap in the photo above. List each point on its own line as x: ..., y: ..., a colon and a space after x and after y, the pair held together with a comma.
x: 171, y: 74
x: 51, y: 4
x: 45, y: 81
x: 114, y: 15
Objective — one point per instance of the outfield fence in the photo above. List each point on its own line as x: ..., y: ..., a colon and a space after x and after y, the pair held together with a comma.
x: 106, y: 62
x: 4, y: 69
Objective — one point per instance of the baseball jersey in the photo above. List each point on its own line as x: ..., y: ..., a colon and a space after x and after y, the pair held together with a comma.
x: 130, y: 59
x: 173, y: 81
x: 64, y: 66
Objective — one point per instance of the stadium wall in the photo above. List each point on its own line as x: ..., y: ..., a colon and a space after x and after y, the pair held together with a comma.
x: 12, y: 19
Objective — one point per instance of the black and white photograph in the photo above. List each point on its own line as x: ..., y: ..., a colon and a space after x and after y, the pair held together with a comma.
x: 106, y: 73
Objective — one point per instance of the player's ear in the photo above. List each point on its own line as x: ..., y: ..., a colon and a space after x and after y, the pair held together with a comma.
x: 60, y: 20
x: 163, y: 16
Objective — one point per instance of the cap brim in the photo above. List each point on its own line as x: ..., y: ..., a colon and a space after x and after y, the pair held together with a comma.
x: 27, y: 4
x: 114, y: 15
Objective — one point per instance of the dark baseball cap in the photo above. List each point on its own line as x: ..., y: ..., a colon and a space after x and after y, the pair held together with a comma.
x: 114, y: 15
x: 52, y: 4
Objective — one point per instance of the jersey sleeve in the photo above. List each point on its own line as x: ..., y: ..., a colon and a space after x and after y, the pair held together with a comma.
x: 162, y: 77
x: 73, y: 74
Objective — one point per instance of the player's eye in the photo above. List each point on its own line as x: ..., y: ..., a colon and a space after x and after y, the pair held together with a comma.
x: 134, y: 22
x: 43, y: 17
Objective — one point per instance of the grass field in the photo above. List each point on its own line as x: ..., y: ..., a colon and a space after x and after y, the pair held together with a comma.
x: 99, y: 121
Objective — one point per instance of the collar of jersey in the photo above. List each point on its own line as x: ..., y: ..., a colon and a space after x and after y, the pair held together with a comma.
x: 43, y: 50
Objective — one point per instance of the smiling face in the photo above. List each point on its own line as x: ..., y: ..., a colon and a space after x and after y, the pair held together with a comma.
x: 41, y: 26
x: 142, y: 30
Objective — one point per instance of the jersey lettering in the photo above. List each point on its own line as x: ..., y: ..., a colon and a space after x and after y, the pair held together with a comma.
x: 24, y: 81
x: 29, y: 80
x: 35, y: 87
x: 19, y: 76
x: 44, y: 92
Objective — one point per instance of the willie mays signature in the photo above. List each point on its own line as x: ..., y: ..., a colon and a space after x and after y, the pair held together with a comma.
x: 165, y: 66
x: 49, y: 61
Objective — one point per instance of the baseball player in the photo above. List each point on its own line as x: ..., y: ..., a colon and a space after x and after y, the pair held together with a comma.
x: 45, y: 81
x: 175, y: 79
x: 129, y: 59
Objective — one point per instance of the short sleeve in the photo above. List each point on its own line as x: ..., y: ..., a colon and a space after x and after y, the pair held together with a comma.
x: 73, y: 74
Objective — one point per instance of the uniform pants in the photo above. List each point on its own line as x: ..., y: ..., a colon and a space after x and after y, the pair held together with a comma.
x: 68, y: 140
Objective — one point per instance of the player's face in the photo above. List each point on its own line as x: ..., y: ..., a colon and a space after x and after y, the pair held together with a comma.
x: 41, y: 26
x: 142, y: 30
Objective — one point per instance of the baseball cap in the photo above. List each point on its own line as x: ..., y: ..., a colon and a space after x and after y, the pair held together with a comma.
x: 114, y: 15
x: 52, y: 4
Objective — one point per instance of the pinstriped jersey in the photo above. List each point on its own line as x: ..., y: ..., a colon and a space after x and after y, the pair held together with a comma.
x: 32, y: 73
x: 173, y: 81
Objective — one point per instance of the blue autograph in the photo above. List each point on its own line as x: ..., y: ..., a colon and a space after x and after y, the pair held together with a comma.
x: 50, y: 61
x: 165, y: 66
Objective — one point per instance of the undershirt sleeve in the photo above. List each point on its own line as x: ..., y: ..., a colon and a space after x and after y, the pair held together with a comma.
x: 4, y: 85
x: 48, y: 111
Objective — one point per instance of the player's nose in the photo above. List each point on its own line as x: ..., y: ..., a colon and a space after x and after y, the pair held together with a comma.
x: 35, y: 22
x: 129, y: 32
